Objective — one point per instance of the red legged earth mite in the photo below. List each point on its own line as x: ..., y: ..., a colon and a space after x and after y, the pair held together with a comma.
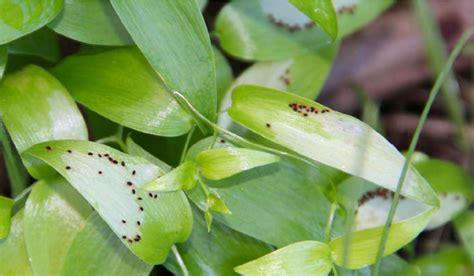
x: 68, y: 167
x: 90, y: 154
x: 100, y: 172
x: 49, y: 148
x: 268, y: 125
x: 134, y: 172
x: 69, y: 151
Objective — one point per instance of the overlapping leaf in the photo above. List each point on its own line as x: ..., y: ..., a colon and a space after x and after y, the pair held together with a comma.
x: 119, y: 83
x: 43, y: 43
x: 185, y: 62
x: 93, y: 22
x: 18, y: 17
x: 147, y: 223
x: 321, y: 12
x: 3, y: 59
x: 6, y: 205
x: 37, y: 108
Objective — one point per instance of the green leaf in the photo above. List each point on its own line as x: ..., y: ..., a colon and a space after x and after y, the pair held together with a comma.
x: 391, y: 266
x: 184, y: 177
x: 92, y: 22
x: 208, y: 253
x: 116, y: 84
x: 216, y: 164
x: 464, y: 225
x: 148, y: 224
x: 208, y: 217
x: 54, y: 214
x: 202, y: 4
x: 453, y: 185
x: 13, y: 250
x: 18, y: 17
x: 216, y: 204
x: 42, y: 43
x: 256, y: 198
x: 361, y: 249
x: 37, y: 108
x: 449, y: 260
x: 3, y: 59
x: 97, y: 251
x: 136, y: 150
x: 224, y: 75
x: 302, y: 258
x: 6, y: 205
x: 321, y: 12
x: 184, y: 62
x: 325, y: 136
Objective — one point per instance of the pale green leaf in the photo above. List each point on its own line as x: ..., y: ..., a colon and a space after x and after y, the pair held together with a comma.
x: 97, y: 251
x: 321, y: 12
x: 118, y: 83
x: 92, y: 22
x: 185, y: 62
x: 19, y: 17
x: 464, y: 226
x: 202, y: 4
x: 325, y: 136
x: 184, y: 177
x: 3, y: 59
x: 207, y: 253
x: 277, y: 203
x: 111, y: 181
x: 448, y: 261
x: 6, y: 205
x: 224, y: 75
x: 216, y: 164
x: 43, y: 43
x: 361, y: 249
x: 302, y: 258
x: 13, y: 255
x: 54, y: 214
x: 37, y: 108
x: 214, y: 203
x: 136, y: 150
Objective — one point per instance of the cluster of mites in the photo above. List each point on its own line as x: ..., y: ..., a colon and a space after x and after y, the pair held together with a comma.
x: 380, y: 192
x: 305, y: 110
x: 129, y: 184
x: 291, y: 28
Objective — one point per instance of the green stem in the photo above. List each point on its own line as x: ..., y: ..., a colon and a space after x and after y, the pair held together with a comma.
x: 424, y: 115
x: 180, y: 261
x: 15, y: 169
x: 23, y: 193
x: 186, y: 144
x: 214, y: 139
x: 327, y: 231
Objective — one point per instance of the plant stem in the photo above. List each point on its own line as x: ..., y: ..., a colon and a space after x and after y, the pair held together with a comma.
x: 180, y: 261
x: 15, y: 169
x: 186, y: 144
x: 327, y: 231
x: 433, y: 93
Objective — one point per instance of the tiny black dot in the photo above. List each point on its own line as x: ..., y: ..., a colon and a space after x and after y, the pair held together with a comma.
x: 150, y: 194
x: 130, y: 241
x: 69, y: 151
x: 141, y: 208
x: 90, y: 153
x: 100, y: 172
x: 100, y: 155
x: 68, y: 168
x: 124, y: 237
x: 123, y: 163
x: 306, y: 114
x: 139, y: 198
x: 138, y: 223
x: 106, y: 154
x: 129, y: 183
x: 136, y: 239
x: 155, y: 196
x: 222, y: 141
x: 123, y: 221
x: 268, y: 125
x: 134, y: 172
x: 115, y: 162
x: 48, y: 148
x: 133, y: 191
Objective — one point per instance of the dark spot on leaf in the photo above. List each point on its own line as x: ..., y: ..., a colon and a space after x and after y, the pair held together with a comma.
x: 124, y: 237
x: 138, y: 223
x: 129, y: 183
x: 122, y: 163
x: 130, y: 241
x: 100, y: 172
x: 155, y: 196
x: 106, y: 155
x: 141, y: 208
x: 68, y: 167
x: 133, y: 191
x: 139, y: 198
x: 123, y: 221
x: 268, y: 125
x: 134, y: 172
x: 150, y: 194
x: 90, y: 153
x: 49, y: 148
x: 100, y: 155
x: 69, y: 151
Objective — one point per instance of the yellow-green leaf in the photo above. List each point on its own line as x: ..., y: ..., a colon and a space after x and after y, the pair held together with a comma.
x: 6, y: 205
x: 184, y: 177
x: 321, y: 12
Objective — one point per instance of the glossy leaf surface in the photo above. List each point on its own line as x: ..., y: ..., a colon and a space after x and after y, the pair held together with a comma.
x: 325, y: 136
x: 43, y: 43
x: 321, y: 12
x: 117, y: 84
x: 184, y: 62
x: 19, y: 17
x: 148, y: 224
x: 37, y: 108
x: 54, y: 214
x: 6, y: 205
x: 92, y: 22
x: 302, y: 258
x: 184, y: 177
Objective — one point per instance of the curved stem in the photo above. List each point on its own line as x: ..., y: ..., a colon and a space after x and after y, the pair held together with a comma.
x: 327, y: 231
x: 424, y: 115
x: 180, y: 261
x: 186, y: 144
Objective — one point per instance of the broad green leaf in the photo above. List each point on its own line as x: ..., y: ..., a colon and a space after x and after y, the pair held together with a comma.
x: 118, y: 83
x: 224, y: 75
x: 215, y: 203
x: 37, y: 108
x: 453, y: 185
x: 216, y: 252
x: 19, y: 17
x: 92, y: 22
x: 13, y: 253
x: 97, y: 251
x: 54, y: 214
x: 185, y: 62
x: 6, y: 205
x: 448, y: 261
x: 202, y: 4
x: 136, y: 150
x: 276, y: 203
x: 321, y: 12
x: 325, y: 136
x: 303, y: 75
x: 464, y: 225
x: 111, y: 181
x: 302, y: 258
x: 184, y: 177
x: 3, y: 60
x: 274, y: 29
x: 267, y: 30
x: 361, y: 249
x: 42, y: 43
x: 216, y: 164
